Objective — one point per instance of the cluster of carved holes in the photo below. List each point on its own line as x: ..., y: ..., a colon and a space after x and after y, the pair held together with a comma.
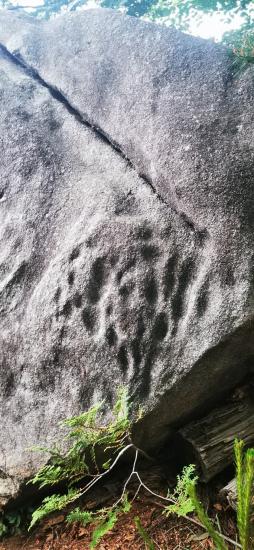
x: 76, y: 300
x: 145, y: 345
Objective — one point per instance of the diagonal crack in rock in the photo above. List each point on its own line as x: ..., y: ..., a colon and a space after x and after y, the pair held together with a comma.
x: 84, y: 120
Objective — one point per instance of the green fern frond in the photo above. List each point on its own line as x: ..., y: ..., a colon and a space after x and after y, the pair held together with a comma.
x: 86, y: 437
x: 183, y: 504
x: 126, y: 504
x: 143, y: 534
x: 81, y: 516
x: 104, y: 527
x: 121, y: 407
x: 204, y: 519
x: 52, y: 504
x: 244, y: 481
x: 106, y: 465
x: 248, y: 493
x: 239, y: 464
x: 47, y: 475
x: 85, y: 420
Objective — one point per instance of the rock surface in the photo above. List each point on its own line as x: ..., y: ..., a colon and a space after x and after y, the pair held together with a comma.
x: 126, y: 222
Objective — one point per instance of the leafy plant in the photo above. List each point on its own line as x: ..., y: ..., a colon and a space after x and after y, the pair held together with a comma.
x: 80, y: 516
x: 13, y: 522
x: 243, y: 48
x: 104, y: 526
x: 88, y: 440
x: 143, y: 534
x: 186, y: 501
x: 179, y: 13
x: 87, y: 437
x: 244, y: 479
x: 204, y: 518
x: 183, y: 504
x: 52, y: 504
x: 3, y: 528
x: 186, y: 498
x: 103, y: 520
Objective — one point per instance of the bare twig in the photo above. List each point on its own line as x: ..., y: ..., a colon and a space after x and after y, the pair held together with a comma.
x: 134, y: 473
x: 192, y: 520
x: 136, y: 493
x: 100, y: 476
x: 128, y: 478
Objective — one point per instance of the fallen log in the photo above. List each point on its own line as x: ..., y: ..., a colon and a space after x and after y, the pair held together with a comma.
x: 209, y: 441
x: 229, y: 493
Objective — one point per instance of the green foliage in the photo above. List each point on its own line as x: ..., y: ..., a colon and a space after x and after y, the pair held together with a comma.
x: 182, y: 13
x: 243, y: 47
x: 86, y: 437
x: 104, y: 526
x: 80, y: 516
x: 183, y: 503
x: 52, y: 504
x: 179, y: 13
x: 244, y: 480
x: 238, y: 448
x: 103, y: 520
x: 204, y: 519
x: 3, y: 528
x: 126, y: 505
x: 143, y: 534
x: 186, y: 499
x: 13, y: 522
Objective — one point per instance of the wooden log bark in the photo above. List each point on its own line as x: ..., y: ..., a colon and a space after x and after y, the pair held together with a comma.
x: 210, y: 440
x: 229, y: 493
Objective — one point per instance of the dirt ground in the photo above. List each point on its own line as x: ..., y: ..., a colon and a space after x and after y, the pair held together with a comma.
x: 166, y: 533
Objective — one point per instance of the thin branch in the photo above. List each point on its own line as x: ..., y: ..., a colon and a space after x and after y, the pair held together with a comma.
x: 192, y: 520
x: 128, y: 478
x: 135, y: 461
x: 166, y: 499
x: 100, y: 476
x: 136, y: 493
x: 134, y: 473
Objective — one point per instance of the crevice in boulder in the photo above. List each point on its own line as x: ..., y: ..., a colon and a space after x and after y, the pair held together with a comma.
x: 83, y: 119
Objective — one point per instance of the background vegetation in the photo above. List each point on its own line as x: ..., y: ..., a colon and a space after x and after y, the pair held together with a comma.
x: 183, y: 14
x: 94, y: 450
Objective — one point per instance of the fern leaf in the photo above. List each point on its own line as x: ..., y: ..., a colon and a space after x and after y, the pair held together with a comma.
x: 103, y: 528
x: 205, y: 520
x: 126, y: 504
x: 183, y: 504
x: 52, y: 504
x: 143, y: 534
x: 81, y: 516
x: 238, y: 449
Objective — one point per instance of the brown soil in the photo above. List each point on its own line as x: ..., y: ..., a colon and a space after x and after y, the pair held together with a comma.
x: 170, y: 533
x: 166, y: 533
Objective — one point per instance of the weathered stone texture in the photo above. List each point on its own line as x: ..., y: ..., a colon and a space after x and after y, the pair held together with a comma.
x: 126, y: 224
